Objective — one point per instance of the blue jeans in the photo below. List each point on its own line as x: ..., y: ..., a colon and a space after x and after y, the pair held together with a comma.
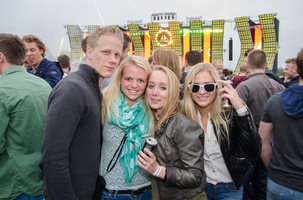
x: 225, y: 191
x: 24, y: 197
x: 111, y: 196
x: 276, y: 192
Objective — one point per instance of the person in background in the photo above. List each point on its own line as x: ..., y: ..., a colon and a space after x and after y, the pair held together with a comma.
x: 269, y: 73
x: 72, y: 137
x: 177, y: 161
x: 231, y: 137
x: 282, y: 122
x: 125, y: 115
x: 26, y: 66
x: 150, y: 60
x: 50, y: 71
x: 126, y: 48
x: 239, y: 78
x: 167, y: 58
x: 23, y: 104
x: 75, y: 65
x: 218, y: 64
x: 191, y: 58
x: 226, y: 74
x: 64, y: 61
x: 291, y: 72
x: 232, y: 74
x: 255, y: 91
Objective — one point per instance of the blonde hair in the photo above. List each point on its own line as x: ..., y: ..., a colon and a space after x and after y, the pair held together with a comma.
x: 291, y: 60
x: 112, y: 92
x: 172, y: 104
x: 168, y: 58
x: 190, y: 108
x: 92, y: 40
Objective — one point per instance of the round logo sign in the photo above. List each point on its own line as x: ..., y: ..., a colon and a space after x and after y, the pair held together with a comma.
x: 164, y: 38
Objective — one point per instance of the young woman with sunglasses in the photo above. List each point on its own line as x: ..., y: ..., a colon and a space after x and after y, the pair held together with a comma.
x: 177, y: 161
x: 230, y: 134
x: 126, y: 117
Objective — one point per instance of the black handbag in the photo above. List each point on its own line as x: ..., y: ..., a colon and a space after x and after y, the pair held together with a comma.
x: 101, y: 183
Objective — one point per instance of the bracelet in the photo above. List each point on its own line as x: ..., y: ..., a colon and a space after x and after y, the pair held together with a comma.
x: 241, y: 110
x: 157, y: 172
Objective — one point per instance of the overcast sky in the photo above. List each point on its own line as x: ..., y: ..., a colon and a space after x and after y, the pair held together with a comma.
x: 46, y: 18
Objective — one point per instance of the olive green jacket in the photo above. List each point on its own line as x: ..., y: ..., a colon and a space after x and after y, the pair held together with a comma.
x: 180, y: 149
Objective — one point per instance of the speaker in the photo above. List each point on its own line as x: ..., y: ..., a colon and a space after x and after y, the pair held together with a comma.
x: 230, y: 49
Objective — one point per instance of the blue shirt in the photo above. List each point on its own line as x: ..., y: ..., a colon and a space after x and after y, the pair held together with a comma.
x: 50, y: 71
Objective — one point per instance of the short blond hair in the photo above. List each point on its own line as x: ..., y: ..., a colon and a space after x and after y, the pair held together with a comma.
x: 92, y: 40
x: 291, y: 60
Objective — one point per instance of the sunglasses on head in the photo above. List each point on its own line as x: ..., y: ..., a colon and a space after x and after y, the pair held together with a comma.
x: 208, y: 87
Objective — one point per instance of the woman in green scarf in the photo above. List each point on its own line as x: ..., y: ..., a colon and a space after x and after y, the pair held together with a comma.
x: 124, y: 113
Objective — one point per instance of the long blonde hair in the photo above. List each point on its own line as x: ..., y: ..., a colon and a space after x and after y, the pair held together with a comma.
x: 172, y: 104
x: 190, y: 108
x: 168, y: 58
x: 112, y: 92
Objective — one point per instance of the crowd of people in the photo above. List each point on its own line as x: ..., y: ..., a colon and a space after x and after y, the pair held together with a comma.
x: 80, y: 130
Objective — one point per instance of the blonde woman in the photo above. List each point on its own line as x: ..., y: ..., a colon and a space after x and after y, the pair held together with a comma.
x: 177, y: 161
x: 230, y: 135
x: 167, y: 58
x: 126, y: 118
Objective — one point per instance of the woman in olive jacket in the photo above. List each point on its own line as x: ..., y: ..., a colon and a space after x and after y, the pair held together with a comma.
x: 230, y: 133
x: 177, y: 161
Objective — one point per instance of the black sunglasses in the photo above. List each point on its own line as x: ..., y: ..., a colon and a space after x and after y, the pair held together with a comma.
x: 208, y: 87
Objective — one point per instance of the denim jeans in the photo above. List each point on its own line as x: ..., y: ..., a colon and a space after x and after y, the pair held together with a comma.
x: 110, y: 196
x: 24, y: 197
x: 276, y: 192
x: 223, y: 191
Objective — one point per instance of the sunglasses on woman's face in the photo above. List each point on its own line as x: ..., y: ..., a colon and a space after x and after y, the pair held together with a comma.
x: 208, y: 87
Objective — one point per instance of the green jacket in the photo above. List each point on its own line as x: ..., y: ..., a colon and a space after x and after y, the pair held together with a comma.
x: 23, y: 104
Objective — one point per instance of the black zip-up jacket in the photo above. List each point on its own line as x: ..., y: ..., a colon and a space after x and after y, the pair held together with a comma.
x: 245, y: 143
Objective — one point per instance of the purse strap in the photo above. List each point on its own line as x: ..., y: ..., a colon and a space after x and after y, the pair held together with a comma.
x: 109, y: 167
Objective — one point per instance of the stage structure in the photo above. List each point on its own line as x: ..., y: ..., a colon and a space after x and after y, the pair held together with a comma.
x: 165, y: 32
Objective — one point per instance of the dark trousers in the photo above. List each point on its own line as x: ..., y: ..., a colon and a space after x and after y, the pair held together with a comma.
x: 256, y: 184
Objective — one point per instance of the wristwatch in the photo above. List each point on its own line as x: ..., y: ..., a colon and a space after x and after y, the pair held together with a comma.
x: 241, y: 110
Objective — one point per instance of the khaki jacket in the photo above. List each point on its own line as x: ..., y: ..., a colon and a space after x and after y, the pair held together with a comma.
x: 180, y: 149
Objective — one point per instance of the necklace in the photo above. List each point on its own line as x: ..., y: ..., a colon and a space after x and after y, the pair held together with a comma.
x: 157, y: 116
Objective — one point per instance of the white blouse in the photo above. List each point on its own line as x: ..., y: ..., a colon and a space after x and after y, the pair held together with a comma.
x: 214, y: 164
